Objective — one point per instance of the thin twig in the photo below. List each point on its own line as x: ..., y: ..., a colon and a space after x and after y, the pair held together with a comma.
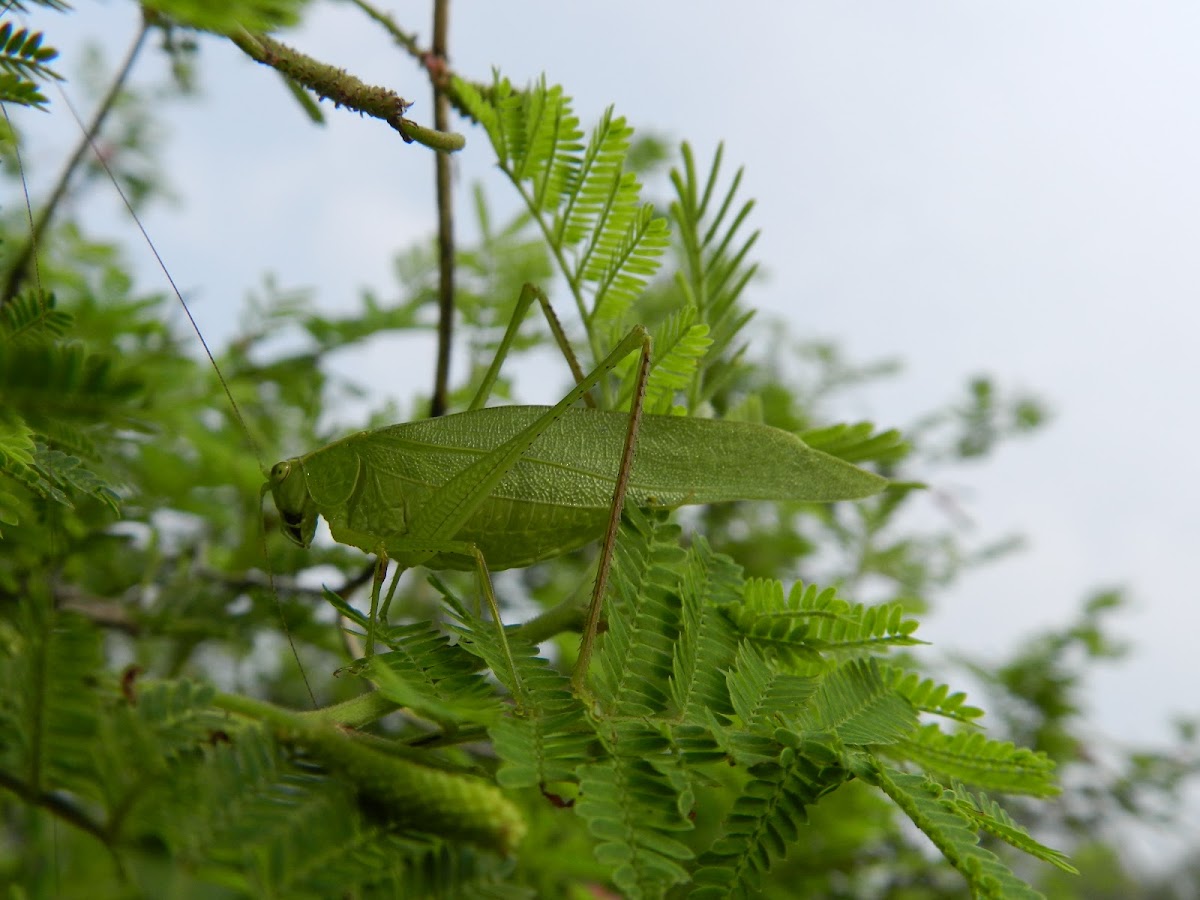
x: 21, y: 259
x: 58, y: 804
x: 119, y: 613
x: 436, y: 64
x: 344, y: 89
x: 413, y: 48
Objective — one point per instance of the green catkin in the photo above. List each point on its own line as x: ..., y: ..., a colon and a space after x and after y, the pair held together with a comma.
x: 458, y: 807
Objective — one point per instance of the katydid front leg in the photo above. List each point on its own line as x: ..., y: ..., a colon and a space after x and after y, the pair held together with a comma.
x: 432, y: 548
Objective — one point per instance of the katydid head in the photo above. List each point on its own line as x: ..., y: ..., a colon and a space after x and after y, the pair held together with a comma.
x: 297, y: 512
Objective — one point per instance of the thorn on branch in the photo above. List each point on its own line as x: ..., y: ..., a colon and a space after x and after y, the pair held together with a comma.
x: 436, y: 66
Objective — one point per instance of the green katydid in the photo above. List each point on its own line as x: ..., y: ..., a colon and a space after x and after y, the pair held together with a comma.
x: 508, y: 486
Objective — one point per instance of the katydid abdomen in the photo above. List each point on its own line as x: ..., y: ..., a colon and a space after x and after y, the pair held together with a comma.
x: 557, y: 496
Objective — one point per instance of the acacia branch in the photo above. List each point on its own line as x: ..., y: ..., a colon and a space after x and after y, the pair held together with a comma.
x: 28, y: 251
x: 57, y: 803
x: 344, y: 89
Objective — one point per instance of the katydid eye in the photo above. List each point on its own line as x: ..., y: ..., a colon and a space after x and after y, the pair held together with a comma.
x: 280, y: 471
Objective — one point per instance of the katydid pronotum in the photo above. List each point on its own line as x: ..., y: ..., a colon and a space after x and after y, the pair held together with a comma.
x: 508, y: 486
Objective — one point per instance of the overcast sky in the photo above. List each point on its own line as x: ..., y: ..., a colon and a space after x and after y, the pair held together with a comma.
x: 1005, y: 188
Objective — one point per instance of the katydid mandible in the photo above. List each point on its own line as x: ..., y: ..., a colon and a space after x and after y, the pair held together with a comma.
x: 505, y: 487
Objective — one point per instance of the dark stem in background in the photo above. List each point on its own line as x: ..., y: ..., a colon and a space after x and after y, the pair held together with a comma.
x: 21, y: 259
x: 441, y: 121
x: 60, y: 804
x: 436, y: 65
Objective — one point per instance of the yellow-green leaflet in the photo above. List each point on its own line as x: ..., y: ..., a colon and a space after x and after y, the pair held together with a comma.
x: 372, y: 485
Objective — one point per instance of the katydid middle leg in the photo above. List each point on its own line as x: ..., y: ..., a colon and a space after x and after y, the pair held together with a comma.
x: 529, y: 293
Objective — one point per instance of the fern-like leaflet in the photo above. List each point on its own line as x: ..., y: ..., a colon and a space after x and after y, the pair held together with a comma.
x: 54, y: 392
x: 636, y: 804
x: 812, y: 622
x: 634, y: 666
x: 706, y: 643
x: 937, y: 813
x: 927, y: 695
x: 766, y: 819
x: 24, y: 60
x: 980, y: 761
x: 607, y: 242
x: 716, y: 268
x: 548, y: 734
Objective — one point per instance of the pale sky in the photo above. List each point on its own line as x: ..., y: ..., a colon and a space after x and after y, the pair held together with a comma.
x: 1007, y: 188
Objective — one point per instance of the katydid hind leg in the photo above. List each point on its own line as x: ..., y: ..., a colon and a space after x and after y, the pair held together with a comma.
x: 604, y: 565
x: 489, y: 595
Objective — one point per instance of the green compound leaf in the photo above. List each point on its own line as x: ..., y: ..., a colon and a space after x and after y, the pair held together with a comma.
x: 979, y: 761
x: 938, y: 813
